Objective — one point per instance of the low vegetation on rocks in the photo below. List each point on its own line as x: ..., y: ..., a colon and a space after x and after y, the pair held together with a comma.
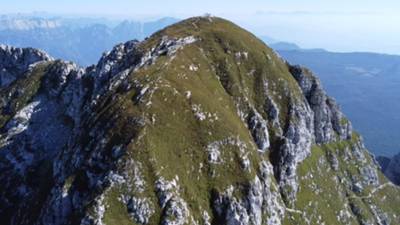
x: 199, y: 124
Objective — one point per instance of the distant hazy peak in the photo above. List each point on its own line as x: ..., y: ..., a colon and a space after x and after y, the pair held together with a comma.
x: 28, y: 23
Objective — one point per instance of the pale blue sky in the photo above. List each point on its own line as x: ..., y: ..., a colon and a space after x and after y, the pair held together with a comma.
x: 339, y: 25
x: 189, y: 7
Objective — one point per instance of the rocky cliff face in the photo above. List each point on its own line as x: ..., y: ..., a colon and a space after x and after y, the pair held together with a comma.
x: 16, y: 61
x: 199, y: 124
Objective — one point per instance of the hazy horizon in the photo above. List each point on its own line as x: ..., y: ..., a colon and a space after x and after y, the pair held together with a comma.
x: 340, y: 26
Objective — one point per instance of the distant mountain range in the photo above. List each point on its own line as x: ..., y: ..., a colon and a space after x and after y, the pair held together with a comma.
x: 79, y: 40
x: 287, y: 46
x: 365, y: 84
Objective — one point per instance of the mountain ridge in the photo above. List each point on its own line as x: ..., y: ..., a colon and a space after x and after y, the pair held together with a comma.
x: 82, y: 41
x: 244, y: 143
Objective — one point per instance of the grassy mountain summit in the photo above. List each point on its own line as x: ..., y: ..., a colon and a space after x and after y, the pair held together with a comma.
x: 199, y: 124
